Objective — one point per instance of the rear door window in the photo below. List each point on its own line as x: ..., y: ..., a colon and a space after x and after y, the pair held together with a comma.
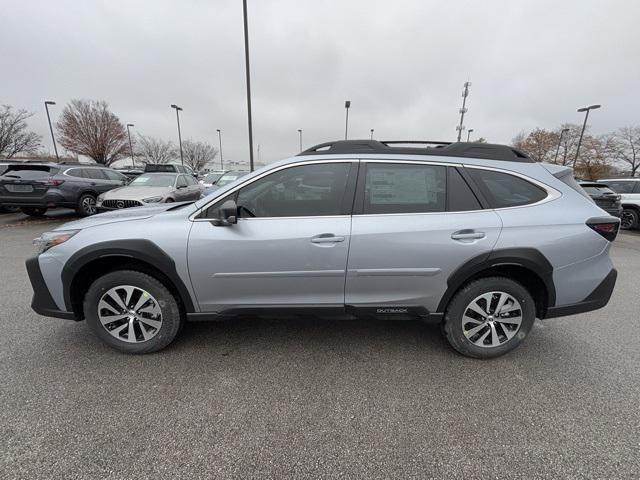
x: 504, y: 190
x: 404, y: 188
x: 95, y: 173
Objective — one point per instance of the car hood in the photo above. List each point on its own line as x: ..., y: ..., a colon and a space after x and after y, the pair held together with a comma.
x: 136, y: 193
x: 126, y: 214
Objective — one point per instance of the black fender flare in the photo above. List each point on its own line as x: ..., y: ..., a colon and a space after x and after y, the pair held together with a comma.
x: 529, y: 258
x: 138, y: 249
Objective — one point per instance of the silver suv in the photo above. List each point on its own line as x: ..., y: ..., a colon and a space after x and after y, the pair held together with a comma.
x: 475, y: 237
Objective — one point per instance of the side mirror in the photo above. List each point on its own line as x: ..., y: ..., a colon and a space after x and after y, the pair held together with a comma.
x: 228, y: 214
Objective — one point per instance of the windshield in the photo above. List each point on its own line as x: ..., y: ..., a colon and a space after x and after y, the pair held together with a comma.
x: 155, y: 180
x: 212, y: 177
x: 229, y: 177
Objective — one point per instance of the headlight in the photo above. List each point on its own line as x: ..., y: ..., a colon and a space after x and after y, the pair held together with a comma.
x: 152, y: 199
x: 51, y: 239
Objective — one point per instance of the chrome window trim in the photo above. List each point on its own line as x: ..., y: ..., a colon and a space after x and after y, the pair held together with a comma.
x: 249, y: 181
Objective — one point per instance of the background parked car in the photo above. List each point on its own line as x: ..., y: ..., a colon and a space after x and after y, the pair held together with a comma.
x: 225, y: 179
x: 212, y: 177
x: 629, y: 190
x: 604, y: 197
x: 168, y: 167
x: 150, y: 188
x: 130, y: 172
x: 35, y: 187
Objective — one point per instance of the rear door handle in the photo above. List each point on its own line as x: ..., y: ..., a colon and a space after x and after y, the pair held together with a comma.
x: 467, y: 235
x: 327, y: 238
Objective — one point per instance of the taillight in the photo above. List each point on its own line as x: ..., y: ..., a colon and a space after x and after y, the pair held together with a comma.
x: 51, y: 182
x: 606, y: 226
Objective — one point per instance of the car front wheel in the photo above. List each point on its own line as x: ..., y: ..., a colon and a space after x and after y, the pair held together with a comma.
x: 489, y: 317
x: 132, y: 312
x: 629, y: 219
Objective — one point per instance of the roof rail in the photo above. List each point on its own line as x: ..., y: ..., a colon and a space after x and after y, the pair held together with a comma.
x: 487, y: 151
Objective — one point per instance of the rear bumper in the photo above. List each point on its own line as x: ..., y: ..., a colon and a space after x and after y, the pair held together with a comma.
x: 42, y: 302
x: 596, y: 299
x: 49, y: 200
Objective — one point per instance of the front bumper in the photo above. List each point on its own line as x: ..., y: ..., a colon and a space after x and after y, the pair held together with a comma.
x: 596, y: 299
x: 42, y: 302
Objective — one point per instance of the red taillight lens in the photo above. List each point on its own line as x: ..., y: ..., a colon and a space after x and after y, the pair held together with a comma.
x: 608, y: 229
x: 53, y: 183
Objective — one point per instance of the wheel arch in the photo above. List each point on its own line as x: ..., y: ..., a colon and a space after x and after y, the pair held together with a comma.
x: 93, y: 261
x: 527, y: 266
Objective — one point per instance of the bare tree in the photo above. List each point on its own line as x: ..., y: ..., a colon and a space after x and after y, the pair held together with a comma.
x: 88, y: 127
x: 155, y: 150
x: 595, y: 161
x: 14, y: 134
x: 198, y: 154
x: 624, y: 146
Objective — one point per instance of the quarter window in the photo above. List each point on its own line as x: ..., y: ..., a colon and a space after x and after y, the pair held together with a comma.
x: 505, y: 190
x: 404, y: 188
x: 621, y: 187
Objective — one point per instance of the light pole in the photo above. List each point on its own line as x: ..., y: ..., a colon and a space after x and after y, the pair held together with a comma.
x: 300, y: 135
x: 469, y: 134
x: 372, y: 134
x: 46, y: 107
x: 463, y: 110
x: 247, y: 70
x: 179, y: 109
x: 133, y: 162
x: 562, y: 132
x: 347, y: 104
x: 584, y: 125
x: 220, y: 143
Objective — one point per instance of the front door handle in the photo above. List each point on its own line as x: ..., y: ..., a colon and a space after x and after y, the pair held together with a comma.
x: 327, y: 238
x: 467, y: 235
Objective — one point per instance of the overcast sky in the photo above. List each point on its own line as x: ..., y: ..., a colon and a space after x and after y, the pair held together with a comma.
x: 402, y: 64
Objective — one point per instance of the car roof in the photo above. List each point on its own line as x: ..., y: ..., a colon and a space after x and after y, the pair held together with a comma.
x: 623, y: 179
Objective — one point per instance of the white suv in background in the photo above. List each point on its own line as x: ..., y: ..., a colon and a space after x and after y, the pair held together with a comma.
x: 629, y: 190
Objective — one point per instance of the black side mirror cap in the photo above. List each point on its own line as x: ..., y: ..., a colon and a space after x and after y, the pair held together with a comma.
x: 228, y: 214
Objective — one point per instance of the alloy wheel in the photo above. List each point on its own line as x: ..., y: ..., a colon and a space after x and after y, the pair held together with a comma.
x: 130, y: 314
x: 492, y: 319
x: 626, y: 219
x: 89, y: 205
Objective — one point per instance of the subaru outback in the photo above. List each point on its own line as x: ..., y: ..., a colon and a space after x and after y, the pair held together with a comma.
x: 475, y: 237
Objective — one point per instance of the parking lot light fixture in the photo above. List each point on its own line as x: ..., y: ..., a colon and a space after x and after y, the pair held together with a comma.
x: 220, y: 145
x: 53, y: 138
x: 372, y: 134
x: 300, y: 137
x: 179, y: 109
x: 562, y: 132
x: 133, y: 161
x: 347, y: 104
x: 469, y: 134
x: 584, y: 126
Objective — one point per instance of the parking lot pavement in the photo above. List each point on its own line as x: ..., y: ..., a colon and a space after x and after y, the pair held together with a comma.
x: 283, y: 398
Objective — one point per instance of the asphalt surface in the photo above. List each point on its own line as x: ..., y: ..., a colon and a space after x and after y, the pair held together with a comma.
x: 282, y: 398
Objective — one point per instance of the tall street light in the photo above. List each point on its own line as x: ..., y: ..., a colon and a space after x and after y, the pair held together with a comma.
x: 469, y: 134
x: 562, y: 132
x: 463, y: 110
x: 372, y: 134
x: 46, y: 107
x: 247, y: 70
x: 220, y: 143
x: 133, y: 162
x: 584, y: 125
x: 179, y: 109
x: 347, y: 104
x: 300, y: 135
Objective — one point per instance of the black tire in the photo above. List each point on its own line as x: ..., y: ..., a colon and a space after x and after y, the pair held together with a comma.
x: 629, y: 219
x: 169, y: 200
x: 452, y: 326
x: 5, y: 209
x: 172, y: 317
x: 86, y: 205
x: 34, y: 211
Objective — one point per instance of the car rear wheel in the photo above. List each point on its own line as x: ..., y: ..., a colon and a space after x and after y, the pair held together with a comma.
x: 132, y: 312
x: 86, y: 205
x: 34, y: 211
x: 489, y: 317
x: 629, y: 219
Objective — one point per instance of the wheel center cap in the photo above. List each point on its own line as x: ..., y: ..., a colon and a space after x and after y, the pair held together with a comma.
x: 490, y: 318
x: 132, y: 313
